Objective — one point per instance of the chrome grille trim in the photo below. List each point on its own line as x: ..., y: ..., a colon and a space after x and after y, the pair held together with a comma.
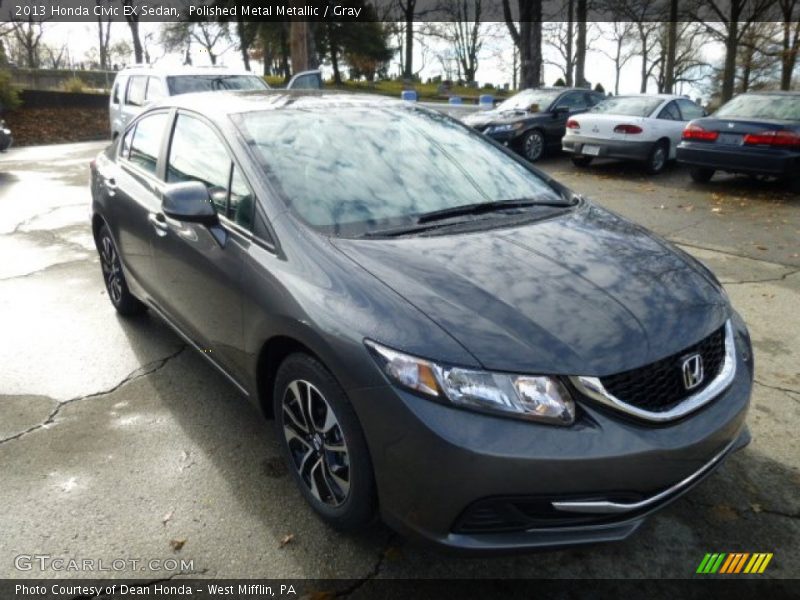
x: 593, y: 388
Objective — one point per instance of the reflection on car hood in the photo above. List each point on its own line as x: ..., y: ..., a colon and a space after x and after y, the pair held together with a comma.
x: 586, y: 293
x: 483, y: 118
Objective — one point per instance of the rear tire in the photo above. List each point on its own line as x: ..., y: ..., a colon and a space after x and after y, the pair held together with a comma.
x: 658, y: 158
x: 120, y: 295
x: 700, y: 174
x: 582, y: 161
x: 323, y: 444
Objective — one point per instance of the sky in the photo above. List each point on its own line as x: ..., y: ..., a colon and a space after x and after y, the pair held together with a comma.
x: 494, y: 67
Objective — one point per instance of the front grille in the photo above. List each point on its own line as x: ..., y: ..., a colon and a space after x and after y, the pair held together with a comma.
x: 659, y: 386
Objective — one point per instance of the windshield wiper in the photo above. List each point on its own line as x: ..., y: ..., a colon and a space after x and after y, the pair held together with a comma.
x: 481, y: 208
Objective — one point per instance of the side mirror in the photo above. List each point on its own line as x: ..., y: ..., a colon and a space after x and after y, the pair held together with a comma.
x: 189, y: 201
x: 560, y: 112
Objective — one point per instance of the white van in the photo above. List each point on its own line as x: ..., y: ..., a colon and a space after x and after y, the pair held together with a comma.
x: 136, y: 87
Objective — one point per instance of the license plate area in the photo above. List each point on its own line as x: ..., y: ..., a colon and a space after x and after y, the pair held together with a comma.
x: 590, y: 150
x: 730, y: 139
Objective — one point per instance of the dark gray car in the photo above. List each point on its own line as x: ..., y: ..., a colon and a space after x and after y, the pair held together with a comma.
x: 444, y: 335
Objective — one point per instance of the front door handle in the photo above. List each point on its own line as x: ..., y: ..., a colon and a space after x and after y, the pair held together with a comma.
x: 159, y: 223
x: 111, y: 186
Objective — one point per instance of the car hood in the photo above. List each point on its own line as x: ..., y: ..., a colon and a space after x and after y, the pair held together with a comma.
x: 583, y: 293
x: 483, y: 118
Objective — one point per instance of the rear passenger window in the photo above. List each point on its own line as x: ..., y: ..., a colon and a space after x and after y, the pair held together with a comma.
x: 197, y: 154
x: 670, y: 113
x: 690, y: 110
x: 146, y: 142
x: 137, y: 87
x: 125, y: 147
x: 155, y: 89
x: 115, y: 94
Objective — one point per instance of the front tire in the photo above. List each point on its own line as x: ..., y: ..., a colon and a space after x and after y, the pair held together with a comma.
x: 701, y: 175
x: 114, y: 278
x: 582, y: 161
x: 323, y: 444
x: 657, y: 160
x: 533, y: 145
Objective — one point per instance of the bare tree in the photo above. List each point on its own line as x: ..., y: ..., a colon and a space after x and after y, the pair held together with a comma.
x: 688, y: 64
x: 580, y: 46
x: 620, y: 34
x: 132, y: 18
x: 735, y: 18
x: 408, y: 8
x: 103, y: 37
x: 212, y: 36
x: 527, y: 37
x: 756, y: 66
x: 463, y: 32
x: 28, y: 36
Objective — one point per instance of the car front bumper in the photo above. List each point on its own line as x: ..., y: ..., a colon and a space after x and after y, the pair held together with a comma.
x: 739, y: 159
x: 620, y: 149
x: 477, y: 483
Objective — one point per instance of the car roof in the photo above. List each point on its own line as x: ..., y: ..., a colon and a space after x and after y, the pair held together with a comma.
x: 770, y: 93
x: 662, y: 96
x: 182, y: 70
x: 221, y: 103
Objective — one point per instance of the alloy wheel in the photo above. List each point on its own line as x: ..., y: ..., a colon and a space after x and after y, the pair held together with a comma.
x: 533, y: 146
x: 658, y: 159
x: 316, y: 443
x: 112, y: 271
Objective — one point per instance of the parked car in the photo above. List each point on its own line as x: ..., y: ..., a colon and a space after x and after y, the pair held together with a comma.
x: 757, y: 133
x: 136, y: 87
x: 488, y: 359
x: 644, y: 128
x: 534, y: 120
x: 6, y: 139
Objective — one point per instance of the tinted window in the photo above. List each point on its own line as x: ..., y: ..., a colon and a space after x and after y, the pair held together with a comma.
x: 115, y: 94
x: 595, y: 98
x: 146, y: 143
x: 575, y: 101
x: 136, y: 90
x: 186, y: 84
x: 629, y: 106
x: 348, y: 169
x: 670, y: 112
x: 197, y: 154
x: 155, y: 89
x: 690, y: 110
x: 309, y: 81
x: 240, y: 207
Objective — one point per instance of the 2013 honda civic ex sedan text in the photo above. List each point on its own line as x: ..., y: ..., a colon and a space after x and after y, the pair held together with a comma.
x: 445, y: 336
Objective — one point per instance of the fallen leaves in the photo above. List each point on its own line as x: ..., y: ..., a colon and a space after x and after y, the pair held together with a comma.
x: 724, y: 512
x: 177, y: 545
x: 287, y: 539
x: 167, y: 518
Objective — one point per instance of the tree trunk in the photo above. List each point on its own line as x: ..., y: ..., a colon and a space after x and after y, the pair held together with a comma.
x: 643, y: 86
x: 287, y: 73
x: 408, y: 70
x: 672, y: 50
x: 788, y: 57
x: 138, y: 53
x: 570, y: 33
x: 244, y: 44
x: 580, y: 50
x: 729, y: 72
x: 333, y: 44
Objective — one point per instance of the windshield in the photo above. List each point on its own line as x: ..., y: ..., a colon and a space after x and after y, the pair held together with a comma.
x: 629, y: 106
x: 186, y: 84
x: 523, y: 100
x: 762, y: 106
x: 351, y: 170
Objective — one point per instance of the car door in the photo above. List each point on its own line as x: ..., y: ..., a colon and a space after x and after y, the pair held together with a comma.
x: 567, y: 105
x: 134, y: 191
x: 669, y: 124
x: 198, y: 267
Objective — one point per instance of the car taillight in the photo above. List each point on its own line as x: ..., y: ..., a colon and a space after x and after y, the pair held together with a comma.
x: 695, y: 132
x: 627, y: 129
x: 782, y: 139
x: 573, y: 124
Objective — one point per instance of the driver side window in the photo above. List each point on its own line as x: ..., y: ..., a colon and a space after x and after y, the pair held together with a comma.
x: 574, y: 101
x: 197, y: 154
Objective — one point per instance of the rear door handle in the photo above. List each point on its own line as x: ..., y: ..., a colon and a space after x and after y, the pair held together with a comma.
x: 159, y: 223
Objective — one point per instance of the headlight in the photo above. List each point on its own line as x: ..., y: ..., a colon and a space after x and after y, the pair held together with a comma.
x: 536, y: 398
x: 504, y: 128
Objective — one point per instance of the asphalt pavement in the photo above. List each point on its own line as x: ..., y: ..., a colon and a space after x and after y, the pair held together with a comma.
x: 118, y: 442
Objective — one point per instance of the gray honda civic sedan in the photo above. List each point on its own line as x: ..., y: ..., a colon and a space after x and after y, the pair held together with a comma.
x: 445, y: 336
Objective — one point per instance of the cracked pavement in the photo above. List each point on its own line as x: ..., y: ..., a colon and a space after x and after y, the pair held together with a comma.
x: 116, y: 440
